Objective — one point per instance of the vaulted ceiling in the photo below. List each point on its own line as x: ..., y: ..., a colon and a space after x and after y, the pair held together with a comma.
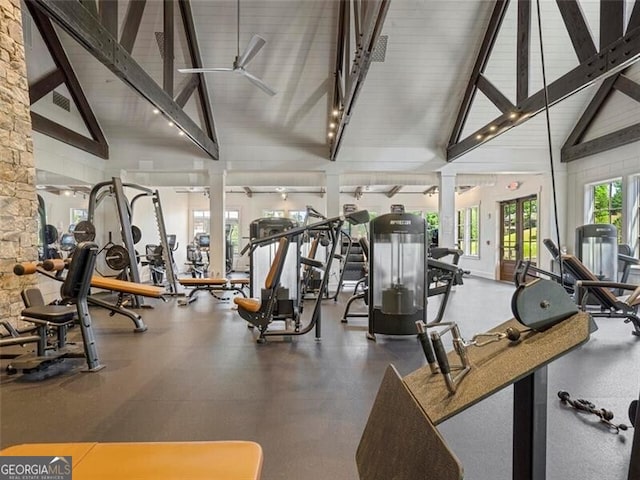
x: 403, y: 116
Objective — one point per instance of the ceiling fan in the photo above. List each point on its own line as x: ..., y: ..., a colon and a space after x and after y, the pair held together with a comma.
x: 241, y: 61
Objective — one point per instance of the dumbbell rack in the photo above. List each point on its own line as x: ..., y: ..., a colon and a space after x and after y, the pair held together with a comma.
x: 403, y: 420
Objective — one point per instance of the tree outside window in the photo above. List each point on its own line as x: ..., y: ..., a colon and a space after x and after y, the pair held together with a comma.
x: 607, y: 204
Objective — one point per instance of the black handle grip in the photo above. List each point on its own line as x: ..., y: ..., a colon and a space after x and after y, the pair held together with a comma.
x: 441, y: 355
x: 427, y: 348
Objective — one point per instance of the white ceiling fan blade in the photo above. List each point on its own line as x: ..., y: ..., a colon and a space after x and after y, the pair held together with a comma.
x: 259, y: 83
x: 204, y: 70
x: 254, y: 46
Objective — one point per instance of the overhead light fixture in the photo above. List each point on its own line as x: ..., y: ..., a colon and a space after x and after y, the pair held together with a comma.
x: 330, y: 134
x: 332, y: 125
x: 493, y: 128
x: 67, y: 193
x: 181, y: 133
x: 479, y: 137
x: 513, y: 115
x: 171, y: 124
x: 336, y: 112
x: 284, y: 196
x: 156, y: 111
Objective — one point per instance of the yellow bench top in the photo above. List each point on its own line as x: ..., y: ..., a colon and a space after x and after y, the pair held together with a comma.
x: 229, y: 460
x: 127, y: 287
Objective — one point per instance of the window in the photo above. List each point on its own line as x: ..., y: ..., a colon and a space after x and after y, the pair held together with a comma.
x: 273, y: 213
x: 78, y: 215
x: 460, y: 232
x: 298, y: 215
x: 232, y: 230
x: 607, y: 204
x: 200, y: 221
x: 361, y: 230
x: 468, y: 230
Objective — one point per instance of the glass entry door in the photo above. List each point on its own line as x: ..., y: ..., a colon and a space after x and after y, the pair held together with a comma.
x: 518, y: 234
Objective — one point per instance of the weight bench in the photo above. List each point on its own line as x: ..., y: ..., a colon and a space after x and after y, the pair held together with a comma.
x: 73, y: 292
x: 129, y: 288
x: 610, y: 305
x: 231, y: 460
x: 212, y: 285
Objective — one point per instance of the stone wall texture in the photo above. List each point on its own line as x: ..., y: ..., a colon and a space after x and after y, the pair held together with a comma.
x: 18, y: 201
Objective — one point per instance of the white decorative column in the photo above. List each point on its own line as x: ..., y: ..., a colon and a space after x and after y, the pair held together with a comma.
x: 217, y: 184
x: 447, y: 209
x: 333, y: 195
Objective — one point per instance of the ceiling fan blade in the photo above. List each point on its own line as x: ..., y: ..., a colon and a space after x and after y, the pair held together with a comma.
x: 253, y: 47
x: 204, y: 70
x: 259, y: 83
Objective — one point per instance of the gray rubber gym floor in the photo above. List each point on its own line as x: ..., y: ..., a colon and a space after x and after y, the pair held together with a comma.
x: 197, y: 374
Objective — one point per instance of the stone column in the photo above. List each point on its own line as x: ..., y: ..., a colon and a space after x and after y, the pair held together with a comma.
x: 18, y: 204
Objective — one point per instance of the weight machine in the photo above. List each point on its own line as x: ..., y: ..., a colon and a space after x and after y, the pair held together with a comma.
x: 259, y: 311
x: 125, y: 256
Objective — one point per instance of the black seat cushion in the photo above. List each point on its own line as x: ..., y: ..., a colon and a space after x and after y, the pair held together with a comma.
x: 50, y: 313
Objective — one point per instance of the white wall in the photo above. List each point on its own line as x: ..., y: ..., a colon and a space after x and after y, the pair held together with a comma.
x: 623, y: 162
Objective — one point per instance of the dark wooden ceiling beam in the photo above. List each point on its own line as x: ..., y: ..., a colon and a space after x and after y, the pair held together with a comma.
x: 108, y: 10
x: 45, y: 85
x: 495, y: 95
x: 167, y: 61
x: 574, y: 148
x: 591, y: 111
x: 374, y: 13
x: 523, y: 45
x: 196, y: 62
x: 627, y: 86
x: 577, y: 28
x: 63, y: 134
x: 634, y: 19
x: 59, y: 57
x: 87, y: 31
x: 611, y: 21
x: 613, y: 58
x: 601, y: 144
x: 499, y: 10
x: 185, y: 94
x: 131, y: 24
x: 91, y: 7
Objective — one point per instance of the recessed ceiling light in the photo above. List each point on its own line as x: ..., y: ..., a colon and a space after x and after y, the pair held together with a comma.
x: 478, y: 137
x: 330, y: 134
x: 156, y: 111
x: 171, y: 124
x: 181, y: 133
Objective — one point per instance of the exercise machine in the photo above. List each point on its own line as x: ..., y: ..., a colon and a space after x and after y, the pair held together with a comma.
x: 74, y: 291
x: 263, y: 234
x: 397, y: 274
x: 127, y: 254
x: 259, y: 311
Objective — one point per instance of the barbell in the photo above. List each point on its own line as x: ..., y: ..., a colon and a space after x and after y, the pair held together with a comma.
x: 85, y: 231
x: 117, y: 257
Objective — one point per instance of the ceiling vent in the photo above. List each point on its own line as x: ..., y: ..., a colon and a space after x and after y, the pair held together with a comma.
x: 61, y: 101
x: 160, y: 41
x: 380, y: 52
